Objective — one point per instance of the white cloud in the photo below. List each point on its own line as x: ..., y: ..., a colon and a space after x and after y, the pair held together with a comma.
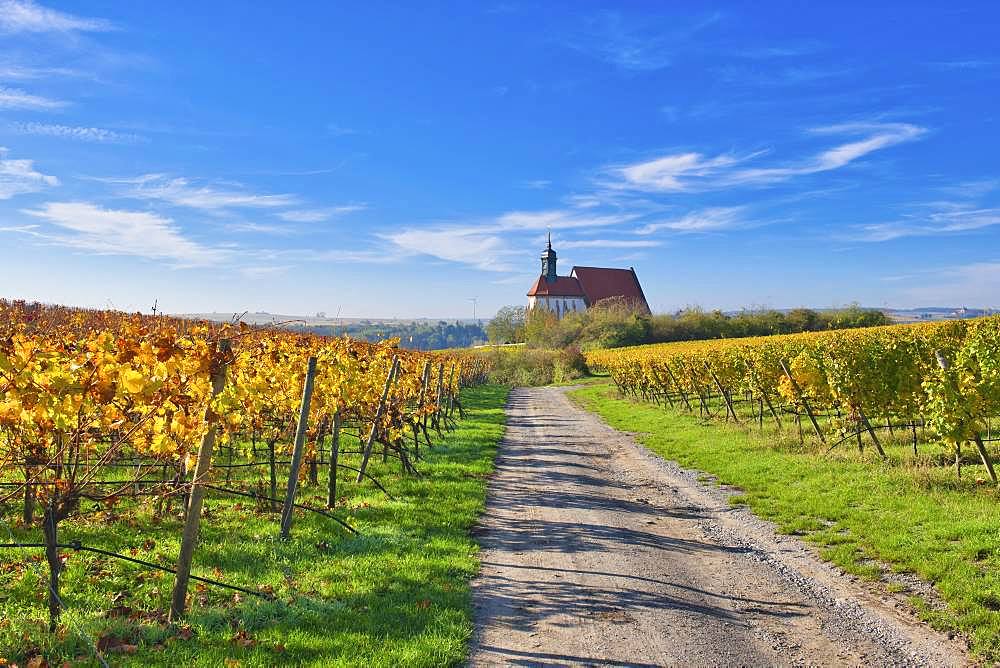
x: 949, y: 218
x: 483, y: 245
x: 24, y: 73
x: 27, y: 16
x: 180, y: 191
x: 536, y: 184
x: 555, y: 219
x: 673, y: 172
x: 18, y: 177
x: 688, y: 172
x: 976, y: 284
x: 88, y: 227
x: 609, y: 243
x: 614, y: 39
x: 339, y: 130
x: 705, y: 220
x: 96, y: 135
x: 260, y: 228
x: 319, y: 215
x: 15, y: 98
x: 468, y: 246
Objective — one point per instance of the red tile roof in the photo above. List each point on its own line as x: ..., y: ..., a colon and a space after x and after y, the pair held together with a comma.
x: 563, y: 286
x: 599, y: 283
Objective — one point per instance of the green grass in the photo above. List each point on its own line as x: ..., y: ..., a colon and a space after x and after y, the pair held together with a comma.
x: 398, y: 595
x: 861, y: 514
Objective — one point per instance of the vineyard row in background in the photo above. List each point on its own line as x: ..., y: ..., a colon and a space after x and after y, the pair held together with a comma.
x: 943, y: 378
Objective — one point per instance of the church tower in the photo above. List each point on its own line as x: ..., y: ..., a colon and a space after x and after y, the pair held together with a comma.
x: 549, y: 262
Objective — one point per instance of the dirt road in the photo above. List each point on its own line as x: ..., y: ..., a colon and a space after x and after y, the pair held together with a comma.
x: 598, y: 553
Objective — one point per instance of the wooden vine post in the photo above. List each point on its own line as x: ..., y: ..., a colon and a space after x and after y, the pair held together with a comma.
x: 680, y: 389
x: 300, y: 439
x: 378, y: 416
x: 425, y: 379
x: 331, y: 492
x: 871, y: 432
x: 661, y: 385
x: 725, y: 395
x: 984, y: 454
x: 437, y: 411
x: 178, y: 600
x: 805, y: 402
x: 451, y: 392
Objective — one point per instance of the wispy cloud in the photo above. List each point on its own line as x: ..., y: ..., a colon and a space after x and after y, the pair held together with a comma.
x: 631, y: 45
x: 18, y: 177
x: 15, y: 98
x: 676, y: 172
x: 9, y: 71
x: 706, y: 220
x: 791, y: 50
x: 609, y: 243
x: 555, y: 219
x: 949, y: 219
x: 483, y: 250
x: 338, y: 130
x: 319, y: 215
x: 691, y: 172
x: 18, y: 16
x: 92, y: 228
x: 180, y: 191
x: 970, y: 64
x: 485, y: 245
x: 973, y: 284
x: 783, y: 76
x: 536, y: 184
x: 261, y: 228
x: 79, y: 133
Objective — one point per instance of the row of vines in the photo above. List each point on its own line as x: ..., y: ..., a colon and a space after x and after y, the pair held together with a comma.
x: 96, y: 406
x: 942, y: 378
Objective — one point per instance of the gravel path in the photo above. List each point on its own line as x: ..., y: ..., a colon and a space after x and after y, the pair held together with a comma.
x: 595, y: 552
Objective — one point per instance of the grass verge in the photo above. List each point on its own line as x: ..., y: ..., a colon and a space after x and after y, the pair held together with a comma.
x: 398, y: 595
x: 869, y: 518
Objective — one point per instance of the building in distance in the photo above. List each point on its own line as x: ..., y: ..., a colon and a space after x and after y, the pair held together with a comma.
x: 583, y: 288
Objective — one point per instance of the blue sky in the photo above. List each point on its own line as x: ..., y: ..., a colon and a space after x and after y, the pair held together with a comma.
x: 380, y: 160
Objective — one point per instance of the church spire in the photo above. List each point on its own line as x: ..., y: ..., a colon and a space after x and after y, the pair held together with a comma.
x: 549, y: 261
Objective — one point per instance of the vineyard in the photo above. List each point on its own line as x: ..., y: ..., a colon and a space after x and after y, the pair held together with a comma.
x: 139, y: 420
x: 878, y: 386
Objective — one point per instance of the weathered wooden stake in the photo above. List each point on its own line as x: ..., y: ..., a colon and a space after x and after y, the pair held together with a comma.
x: 770, y: 407
x: 984, y: 454
x: 662, y: 386
x: 805, y: 402
x: 300, y: 440
x: 725, y: 396
x: 451, y: 391
x: 378, y: 416
x: 679, y: 388
x: 331, y: 494
x: 178, y: 600
x: 424, y: 380
x: 437, y: 411
x: 49, y: 523
x: 871, y: 432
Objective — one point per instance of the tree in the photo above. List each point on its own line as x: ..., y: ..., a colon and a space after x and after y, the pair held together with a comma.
x: 507, y: 326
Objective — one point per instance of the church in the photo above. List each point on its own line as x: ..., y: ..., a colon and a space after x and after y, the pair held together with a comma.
x: 583, y: 288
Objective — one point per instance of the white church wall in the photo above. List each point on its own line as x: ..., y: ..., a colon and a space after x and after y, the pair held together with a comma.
x: 558, y: 305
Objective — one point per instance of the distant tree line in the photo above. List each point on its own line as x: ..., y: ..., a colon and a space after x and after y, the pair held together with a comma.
x: 612, y: 323
x: 420, y: 335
